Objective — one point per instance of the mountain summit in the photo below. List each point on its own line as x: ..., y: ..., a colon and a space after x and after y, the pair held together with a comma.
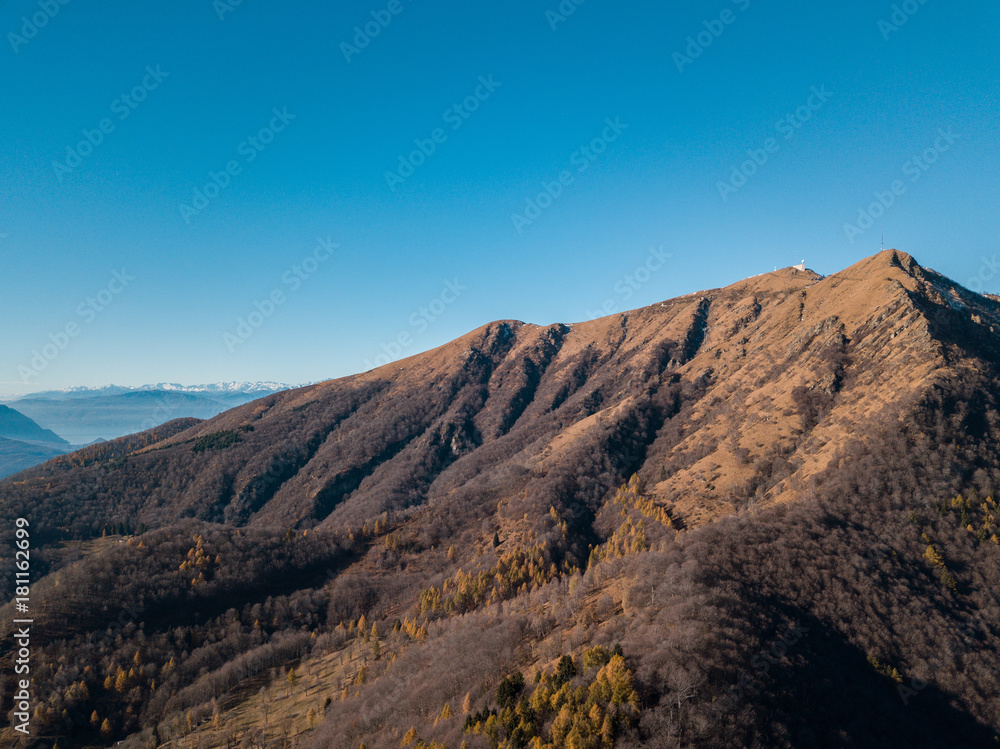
x: 793, y: 470
x: 719, y: 399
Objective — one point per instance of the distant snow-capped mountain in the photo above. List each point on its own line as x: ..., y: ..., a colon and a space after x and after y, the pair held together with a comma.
x: 217, y: 388
x: 221, y: 387
x: 83, y: 414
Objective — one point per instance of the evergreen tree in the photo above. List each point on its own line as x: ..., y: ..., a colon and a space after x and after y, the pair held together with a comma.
x: 565, y: 671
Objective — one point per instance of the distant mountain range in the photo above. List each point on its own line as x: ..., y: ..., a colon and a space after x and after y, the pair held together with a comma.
x: 16, y: 455
x: 50, y: 423
x: 224, y: 388
x: 23, y: 443
x: 16, y: 426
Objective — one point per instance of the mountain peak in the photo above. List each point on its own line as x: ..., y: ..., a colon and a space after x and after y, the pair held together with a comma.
x: 888, y: 259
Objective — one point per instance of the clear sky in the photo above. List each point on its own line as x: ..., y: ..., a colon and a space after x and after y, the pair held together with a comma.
x: 424, y: 152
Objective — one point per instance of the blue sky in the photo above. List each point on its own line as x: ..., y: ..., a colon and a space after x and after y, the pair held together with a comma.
x: 386, y: 203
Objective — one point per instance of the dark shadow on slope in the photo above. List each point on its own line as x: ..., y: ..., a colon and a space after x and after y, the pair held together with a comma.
x: 281, y: 469
x: 826, y: 694
x: 534, y: 369
x: 335, y: 491
x: 696, y: 333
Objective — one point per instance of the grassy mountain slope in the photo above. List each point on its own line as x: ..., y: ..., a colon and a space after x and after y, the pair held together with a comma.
x: 775, y: 497
x: 770, y: 374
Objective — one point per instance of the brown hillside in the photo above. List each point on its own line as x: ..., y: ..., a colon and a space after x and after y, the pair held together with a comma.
x: 733, y: 397
x: 754, y: 516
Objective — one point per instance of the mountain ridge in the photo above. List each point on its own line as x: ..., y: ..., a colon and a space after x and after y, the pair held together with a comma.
x: 217, y: 387
x: 16, y: 426
x: 83, y: 415
x: 819, y: 326
x: 684, y: 483
x: 676, y: 325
